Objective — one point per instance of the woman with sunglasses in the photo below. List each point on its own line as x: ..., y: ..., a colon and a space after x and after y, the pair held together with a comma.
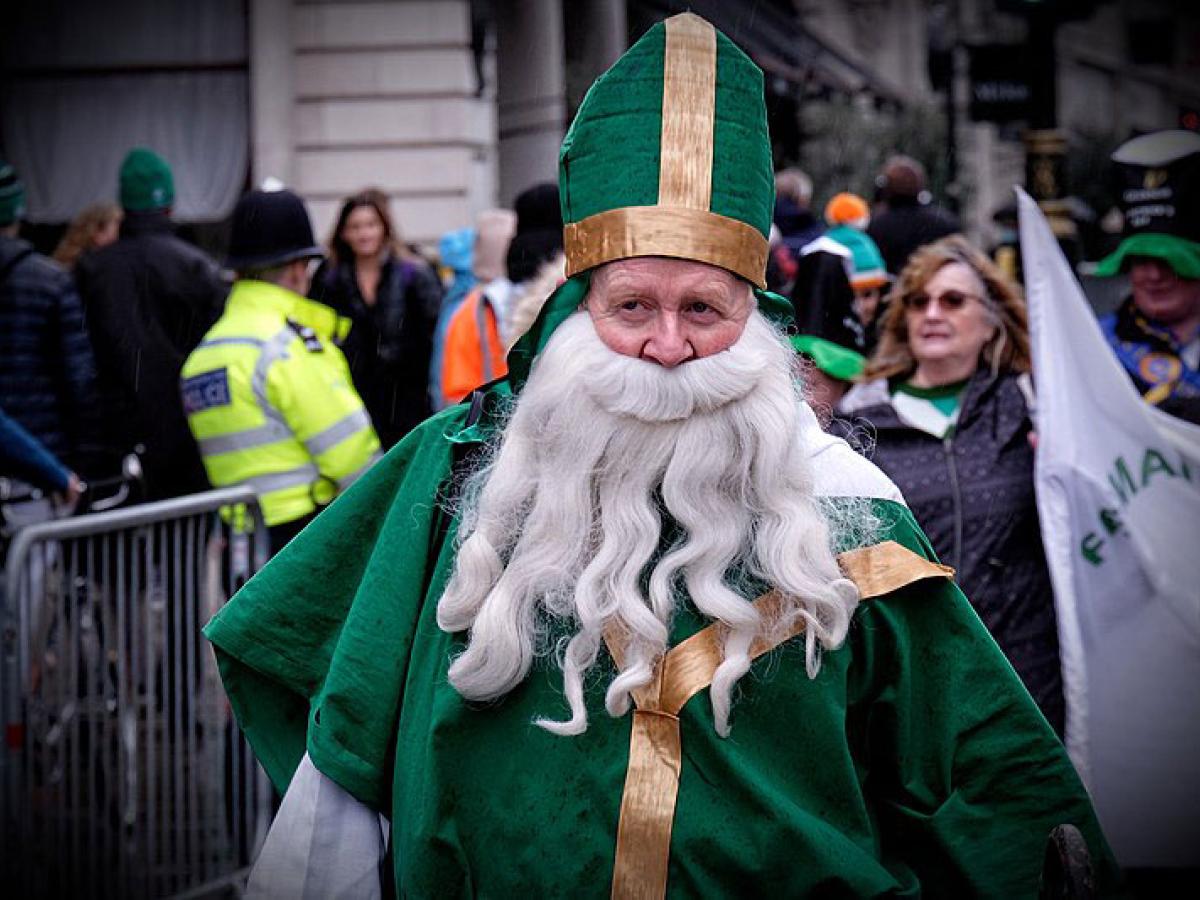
x: 947, y: 394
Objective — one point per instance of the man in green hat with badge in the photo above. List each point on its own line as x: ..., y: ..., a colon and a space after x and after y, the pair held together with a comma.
x: 626, y: 622
x: 149, y: 298
x: 1155, y: 333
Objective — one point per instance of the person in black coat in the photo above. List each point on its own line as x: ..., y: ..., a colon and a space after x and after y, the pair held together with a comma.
x: 149, y: 298
x: 948, y: 402
x: 392, y: 298
x: 906, y: 220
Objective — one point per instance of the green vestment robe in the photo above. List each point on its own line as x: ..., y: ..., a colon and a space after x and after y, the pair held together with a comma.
x: 915, y: 763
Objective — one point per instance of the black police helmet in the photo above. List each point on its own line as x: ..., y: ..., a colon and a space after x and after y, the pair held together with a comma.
x: 270, y: 228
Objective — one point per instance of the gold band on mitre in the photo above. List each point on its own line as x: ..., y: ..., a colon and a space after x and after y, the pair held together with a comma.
x: 683, y: 233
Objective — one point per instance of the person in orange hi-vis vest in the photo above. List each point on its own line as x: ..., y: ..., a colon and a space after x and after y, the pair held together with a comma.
x: 489, y: 320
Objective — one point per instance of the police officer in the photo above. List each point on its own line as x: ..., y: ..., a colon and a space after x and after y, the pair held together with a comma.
x: 267, y: 393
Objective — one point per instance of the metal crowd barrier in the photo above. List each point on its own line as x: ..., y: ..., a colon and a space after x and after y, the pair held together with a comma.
x: 122, y: 772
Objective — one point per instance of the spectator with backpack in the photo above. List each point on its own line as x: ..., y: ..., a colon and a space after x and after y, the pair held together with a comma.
x: 47, y: 370
x: 392, y: 297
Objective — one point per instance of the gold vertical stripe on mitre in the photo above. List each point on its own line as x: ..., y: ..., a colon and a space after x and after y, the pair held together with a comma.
x: 651, y: 792
x: 689, y: 108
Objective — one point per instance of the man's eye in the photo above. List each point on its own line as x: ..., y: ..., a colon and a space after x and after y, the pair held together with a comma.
x: 701, y: 307
x: 631, y: 305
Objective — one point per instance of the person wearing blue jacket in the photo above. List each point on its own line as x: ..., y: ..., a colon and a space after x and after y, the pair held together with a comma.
x: 21, y: 456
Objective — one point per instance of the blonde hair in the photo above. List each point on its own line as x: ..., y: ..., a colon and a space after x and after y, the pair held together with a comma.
x: 1006, y: 352
x: 82, y: 231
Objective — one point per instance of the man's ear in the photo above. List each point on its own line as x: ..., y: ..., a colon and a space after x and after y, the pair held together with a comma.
x: 297, y: 276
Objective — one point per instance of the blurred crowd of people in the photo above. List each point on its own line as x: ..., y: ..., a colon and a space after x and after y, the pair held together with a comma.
x: 913, y: 344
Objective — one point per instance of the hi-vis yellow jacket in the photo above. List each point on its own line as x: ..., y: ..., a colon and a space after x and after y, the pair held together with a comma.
x: 270, y: 402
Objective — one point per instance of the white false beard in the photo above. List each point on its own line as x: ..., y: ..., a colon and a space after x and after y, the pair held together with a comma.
x: 560, y: 525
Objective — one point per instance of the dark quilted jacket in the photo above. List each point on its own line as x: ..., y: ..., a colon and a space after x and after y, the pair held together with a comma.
x: 973, y: 494
x: 47, y: 372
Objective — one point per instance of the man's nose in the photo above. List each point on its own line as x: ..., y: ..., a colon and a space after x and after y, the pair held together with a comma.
x: 668, y: 345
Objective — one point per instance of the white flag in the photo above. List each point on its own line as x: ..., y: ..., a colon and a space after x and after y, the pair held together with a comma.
x: 1118, y: 492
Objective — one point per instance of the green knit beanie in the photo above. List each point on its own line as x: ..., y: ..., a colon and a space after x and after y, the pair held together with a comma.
x: 146, y: 181
x: 12, y: 195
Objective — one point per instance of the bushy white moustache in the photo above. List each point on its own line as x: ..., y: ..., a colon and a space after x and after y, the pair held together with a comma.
x: 649, y: 392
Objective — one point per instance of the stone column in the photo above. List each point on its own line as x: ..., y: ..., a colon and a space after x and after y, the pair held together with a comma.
x: 532, y: 90
x: 272, y: 96
x: 607, y: 34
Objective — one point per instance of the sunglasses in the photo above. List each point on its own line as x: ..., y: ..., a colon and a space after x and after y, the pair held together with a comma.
x: 951, y: 301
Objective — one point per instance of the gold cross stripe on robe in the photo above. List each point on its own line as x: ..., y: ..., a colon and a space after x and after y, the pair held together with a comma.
x: 655, y: 753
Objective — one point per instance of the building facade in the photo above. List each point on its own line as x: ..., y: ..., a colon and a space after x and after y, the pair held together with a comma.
x: 452, y: 106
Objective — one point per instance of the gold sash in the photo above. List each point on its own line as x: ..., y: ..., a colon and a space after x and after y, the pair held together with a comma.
x: 655, y: 754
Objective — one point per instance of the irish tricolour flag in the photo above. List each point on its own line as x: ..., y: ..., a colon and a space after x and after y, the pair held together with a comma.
x: 1118, y: 490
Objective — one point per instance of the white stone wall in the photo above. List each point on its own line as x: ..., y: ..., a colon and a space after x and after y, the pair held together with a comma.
x: 380, y: 94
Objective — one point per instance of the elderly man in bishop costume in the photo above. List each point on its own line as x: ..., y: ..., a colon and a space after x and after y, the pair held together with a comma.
x: 627, y: 621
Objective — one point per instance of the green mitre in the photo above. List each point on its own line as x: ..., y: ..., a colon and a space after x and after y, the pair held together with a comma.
x: 668, y: 156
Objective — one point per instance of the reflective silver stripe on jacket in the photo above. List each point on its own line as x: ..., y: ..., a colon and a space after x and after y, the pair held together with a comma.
x: 223, y: 341
x: 274, y: 428
x: 267, y: 433
x: 277, y: 481
x: 347, y: 426
x: 346, y: 480
x: 272, y: 351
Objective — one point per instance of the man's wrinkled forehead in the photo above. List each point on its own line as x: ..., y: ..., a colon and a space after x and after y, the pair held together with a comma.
x: 654, y: 274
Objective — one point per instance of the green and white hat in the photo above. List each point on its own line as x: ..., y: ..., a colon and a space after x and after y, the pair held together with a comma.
x: 867, y: 268
x: 669, y: 156
x: 1160, y: 198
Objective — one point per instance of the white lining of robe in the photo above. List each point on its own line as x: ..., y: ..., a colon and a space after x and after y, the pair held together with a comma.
x: 322, y: 844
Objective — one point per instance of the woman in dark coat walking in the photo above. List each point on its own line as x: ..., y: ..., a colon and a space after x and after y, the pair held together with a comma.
x: 948, y: 397
x: 391, y: 297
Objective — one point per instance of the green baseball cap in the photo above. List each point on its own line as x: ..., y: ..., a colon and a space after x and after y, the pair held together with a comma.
x: 1182, y: 255
x: 146, y: 182
x: 833, y: 359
